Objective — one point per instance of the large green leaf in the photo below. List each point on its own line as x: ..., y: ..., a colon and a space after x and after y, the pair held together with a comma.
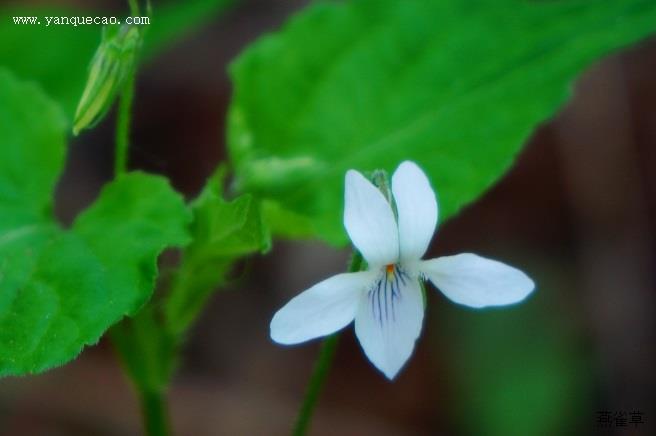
x: 57, y: 56
x: 456, y: 85
x: 61, y: 289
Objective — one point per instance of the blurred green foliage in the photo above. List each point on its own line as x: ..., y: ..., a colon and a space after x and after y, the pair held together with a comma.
x: 457, y: 86
x: 57, y: 57
x: 519, y: 372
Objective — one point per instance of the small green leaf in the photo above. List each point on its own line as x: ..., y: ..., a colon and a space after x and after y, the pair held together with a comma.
x: 223, y: 231
x: 226, y: 228
x: 61, y: 289
x: 455, y: 85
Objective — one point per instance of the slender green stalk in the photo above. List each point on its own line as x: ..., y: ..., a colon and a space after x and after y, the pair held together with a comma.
x: 125, y: 112
x: 154, y: 407
x: 134, y: 7
x: 137, y: 341
x: 123, y: 126
x: 321, y: 370
x: 147, y: 358
x: 317, y: 381
x: 155, y: 413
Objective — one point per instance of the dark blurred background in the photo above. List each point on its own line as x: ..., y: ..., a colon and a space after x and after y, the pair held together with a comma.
x: 577, y: 213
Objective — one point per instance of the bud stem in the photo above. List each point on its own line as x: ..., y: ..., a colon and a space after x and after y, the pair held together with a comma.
x: 123, y: 126
x: 134, y: 7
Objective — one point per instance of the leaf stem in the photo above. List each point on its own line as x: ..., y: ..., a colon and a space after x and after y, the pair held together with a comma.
x: 155, y: 413
x: 321, y: 369
x: 123, y: 126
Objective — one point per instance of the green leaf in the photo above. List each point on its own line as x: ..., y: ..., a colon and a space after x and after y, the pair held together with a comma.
x: 135, y: 218
x: 285, y: 223
x: 32, y: 152
x: 222, y: 231
x: 455, y: 85
x: 61, y: 289
x: 58, y: 56
x: 226, y: 228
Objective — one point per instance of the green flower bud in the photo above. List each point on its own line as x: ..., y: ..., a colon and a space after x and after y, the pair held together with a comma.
x: 379, y: 179
x: 112, y: 64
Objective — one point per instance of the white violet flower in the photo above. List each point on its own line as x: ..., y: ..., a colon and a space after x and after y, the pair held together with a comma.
x: 386, y: 301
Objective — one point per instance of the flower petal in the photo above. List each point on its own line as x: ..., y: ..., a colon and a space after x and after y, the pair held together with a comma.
x: 417, y: 210
x: 476, y: 281
x: 369, y: 221
x: 321, y: 310
x: 388, y: 322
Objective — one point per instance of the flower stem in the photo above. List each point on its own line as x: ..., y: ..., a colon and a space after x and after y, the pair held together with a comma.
x: 147, y: 360
x: 321, y: 369
x: 317, y: 381
x: 123, y: 126
x: 155, y: 413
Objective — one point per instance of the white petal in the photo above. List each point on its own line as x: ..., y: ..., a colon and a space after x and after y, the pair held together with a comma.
x: 388, y: 323
x: 476, y: 281
x: 417, y: 210
x: 321, y: 310
x: 369, y: 221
